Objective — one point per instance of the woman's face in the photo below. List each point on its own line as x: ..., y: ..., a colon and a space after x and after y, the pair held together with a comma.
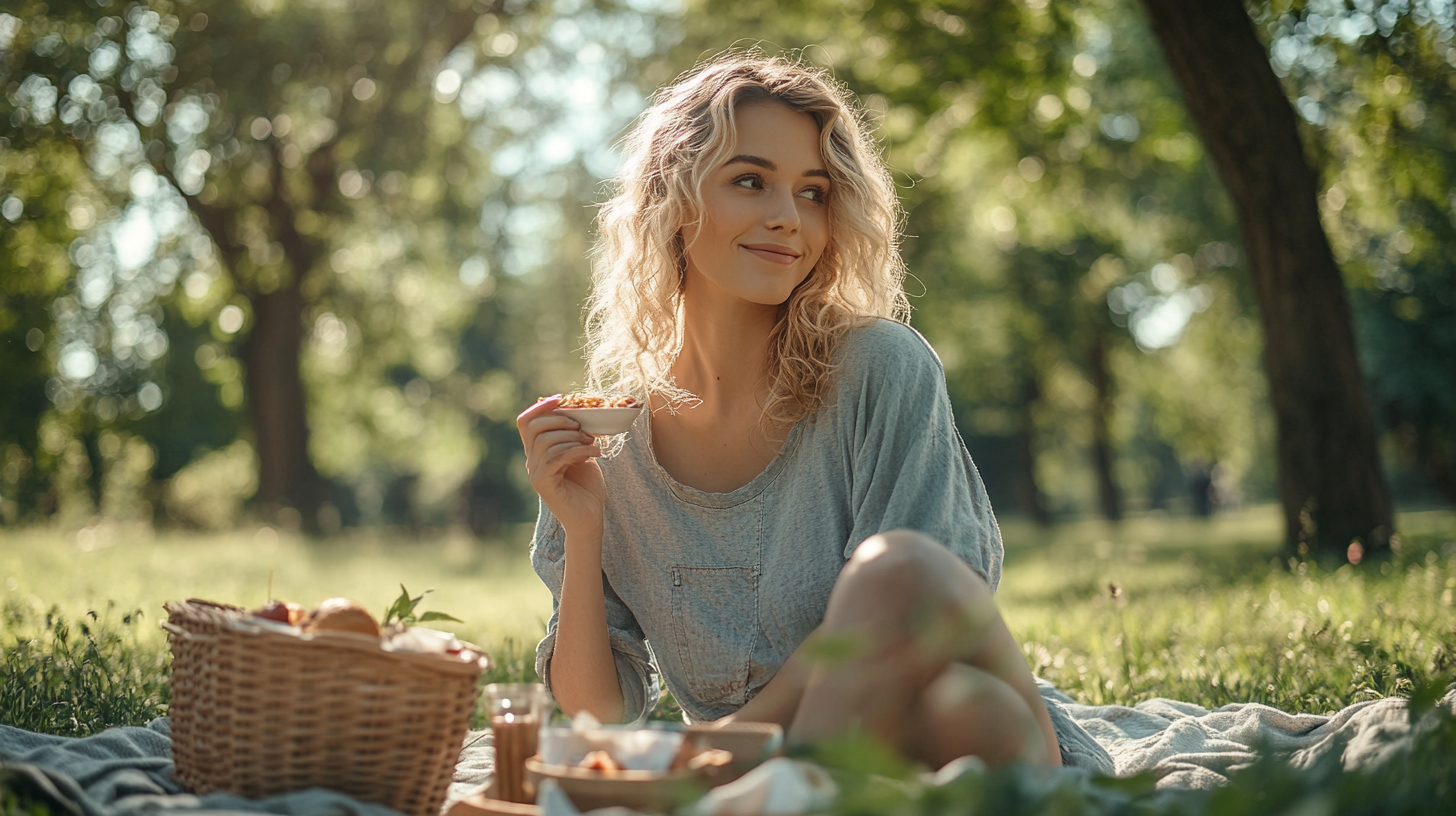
x: 765, y: 217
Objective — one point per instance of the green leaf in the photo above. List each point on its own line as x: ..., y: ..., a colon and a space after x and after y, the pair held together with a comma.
x: 438, y: 616
x: 400, y: 609
x: 415, y: 602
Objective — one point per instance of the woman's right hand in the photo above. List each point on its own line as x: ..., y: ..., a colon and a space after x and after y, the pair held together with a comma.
x: 560, y: 459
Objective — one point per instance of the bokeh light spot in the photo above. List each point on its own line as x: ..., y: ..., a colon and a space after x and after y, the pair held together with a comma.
x: 230, y: 319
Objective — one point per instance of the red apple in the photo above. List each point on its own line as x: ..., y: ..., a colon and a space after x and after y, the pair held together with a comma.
x: 274, y: 611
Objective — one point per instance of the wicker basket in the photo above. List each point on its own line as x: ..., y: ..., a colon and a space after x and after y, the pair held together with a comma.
x: 259, y: 712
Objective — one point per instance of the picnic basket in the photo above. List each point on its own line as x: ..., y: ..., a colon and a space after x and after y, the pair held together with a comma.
x: 259, y: 711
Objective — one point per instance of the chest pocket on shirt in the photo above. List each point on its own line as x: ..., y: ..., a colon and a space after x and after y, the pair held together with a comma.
x: 715, y: 615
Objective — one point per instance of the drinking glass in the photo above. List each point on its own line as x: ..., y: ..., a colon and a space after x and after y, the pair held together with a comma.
x: 517, y: 711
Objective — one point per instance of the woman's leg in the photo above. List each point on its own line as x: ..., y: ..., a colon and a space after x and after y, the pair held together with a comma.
x: 933, y: 671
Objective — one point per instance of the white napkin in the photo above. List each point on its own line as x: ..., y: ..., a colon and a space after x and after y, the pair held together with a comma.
x: 779, y: 786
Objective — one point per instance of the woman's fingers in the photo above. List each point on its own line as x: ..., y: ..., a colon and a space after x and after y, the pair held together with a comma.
x: 543, y: 406
x: 546, y: 440
x: 553, y: 452
x: 564, y: 454
x: 539, y: 412
x: 539, y: 455
x: 538, y: 419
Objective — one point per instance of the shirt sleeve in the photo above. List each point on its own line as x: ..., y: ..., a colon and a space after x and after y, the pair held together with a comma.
x: 636, y: 671
x: 909, y: 467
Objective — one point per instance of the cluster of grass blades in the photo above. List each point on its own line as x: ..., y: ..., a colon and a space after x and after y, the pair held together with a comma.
x: 76, y: 677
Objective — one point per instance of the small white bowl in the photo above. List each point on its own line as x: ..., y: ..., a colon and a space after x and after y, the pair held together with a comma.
x: 603, y: 421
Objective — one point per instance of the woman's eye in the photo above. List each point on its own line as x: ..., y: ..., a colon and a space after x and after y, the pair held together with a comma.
x: 818, y: 195
x: 749, y: 182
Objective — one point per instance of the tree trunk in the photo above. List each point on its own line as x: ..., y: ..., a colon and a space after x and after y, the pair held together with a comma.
x: 1028, y: 494
x: 1330, y: 481
x: 286, y: 476
x: 1107, y: 493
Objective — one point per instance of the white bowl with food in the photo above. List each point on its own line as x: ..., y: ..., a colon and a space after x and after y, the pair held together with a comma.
x: 601, y: 416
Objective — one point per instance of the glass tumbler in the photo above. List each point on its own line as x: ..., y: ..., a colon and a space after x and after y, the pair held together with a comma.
x: 517, y: 712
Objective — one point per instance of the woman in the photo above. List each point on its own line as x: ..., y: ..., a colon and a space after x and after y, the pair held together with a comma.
x: 797, y: 472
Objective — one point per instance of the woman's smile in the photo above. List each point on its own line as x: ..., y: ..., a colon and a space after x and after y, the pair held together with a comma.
x: 774, y: 253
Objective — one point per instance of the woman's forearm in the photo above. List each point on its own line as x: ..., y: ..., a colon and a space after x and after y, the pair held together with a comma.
x: 778, y: 702
x: 583, y: 671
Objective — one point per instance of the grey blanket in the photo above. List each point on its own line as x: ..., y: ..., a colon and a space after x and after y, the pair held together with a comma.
x: 1187, y: 746
x: 128, y: 771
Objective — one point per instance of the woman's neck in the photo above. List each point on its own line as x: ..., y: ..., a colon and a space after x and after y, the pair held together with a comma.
x: 724, y: 352
x: 720, y: 443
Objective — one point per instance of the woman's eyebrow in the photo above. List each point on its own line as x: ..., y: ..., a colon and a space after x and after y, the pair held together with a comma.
x: 759, y: 161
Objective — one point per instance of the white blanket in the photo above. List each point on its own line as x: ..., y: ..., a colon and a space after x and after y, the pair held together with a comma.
x: 1187, y: 746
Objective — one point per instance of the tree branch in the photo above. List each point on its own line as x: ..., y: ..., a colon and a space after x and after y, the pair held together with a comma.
x: 214, y: 220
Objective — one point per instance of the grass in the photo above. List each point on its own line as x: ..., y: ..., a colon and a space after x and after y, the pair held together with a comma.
x: 488, y: 585
x: 1205, y: 611
x: 1210, y: 612
x: 81, y: 648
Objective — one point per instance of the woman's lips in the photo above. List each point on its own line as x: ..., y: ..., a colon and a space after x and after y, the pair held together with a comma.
x: 772, y: 254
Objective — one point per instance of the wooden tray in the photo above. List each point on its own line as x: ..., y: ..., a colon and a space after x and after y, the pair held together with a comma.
x: 750, y: 743
x: 484, y: 803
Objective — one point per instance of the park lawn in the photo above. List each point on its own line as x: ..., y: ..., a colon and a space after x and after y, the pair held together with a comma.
x: 1207, y: 611
x: 1215, y: 612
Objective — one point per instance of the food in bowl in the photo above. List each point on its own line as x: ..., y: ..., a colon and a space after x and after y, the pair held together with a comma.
x: 601, y: 415
x: 579, y: 400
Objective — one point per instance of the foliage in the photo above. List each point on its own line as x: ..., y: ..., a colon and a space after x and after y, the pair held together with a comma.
x: 36, y: 187
x: 403, y: 610
x: 388, y: 168
x: 422, y: 179
x: 77, y: 676
x: 18, y: 799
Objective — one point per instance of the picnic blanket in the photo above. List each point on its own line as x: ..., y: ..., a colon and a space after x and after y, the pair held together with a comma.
x: 1187, y: 746
x: 128, y: 771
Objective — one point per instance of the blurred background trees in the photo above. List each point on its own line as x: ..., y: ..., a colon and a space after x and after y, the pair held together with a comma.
x: 307, y: 260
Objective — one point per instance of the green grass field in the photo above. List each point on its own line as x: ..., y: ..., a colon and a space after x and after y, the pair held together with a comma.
x: 1205, y: 611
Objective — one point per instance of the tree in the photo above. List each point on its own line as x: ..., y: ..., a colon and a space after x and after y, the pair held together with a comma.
x: 35, y: 186
x: 355, y: 219
x: 1330, y: 481
x: 1375, y: 85
x: 268, y: 149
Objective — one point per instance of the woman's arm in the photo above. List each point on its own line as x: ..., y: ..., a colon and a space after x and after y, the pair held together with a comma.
x: 778, y: 702
x: 583, y: 671
x: 560, y: 461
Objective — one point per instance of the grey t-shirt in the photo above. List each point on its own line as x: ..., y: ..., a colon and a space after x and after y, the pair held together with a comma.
x: 724, y: 586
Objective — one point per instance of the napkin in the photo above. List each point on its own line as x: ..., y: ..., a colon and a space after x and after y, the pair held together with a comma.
x: 778, y: 786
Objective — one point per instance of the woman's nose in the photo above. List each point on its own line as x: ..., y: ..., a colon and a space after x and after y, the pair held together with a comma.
x: 784, y: 212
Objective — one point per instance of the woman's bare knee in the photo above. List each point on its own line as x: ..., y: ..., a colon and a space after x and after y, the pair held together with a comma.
x: 909, y: 580
x: 886, y: 588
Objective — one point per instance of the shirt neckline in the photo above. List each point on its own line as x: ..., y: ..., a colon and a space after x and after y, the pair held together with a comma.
x: 733, y: 498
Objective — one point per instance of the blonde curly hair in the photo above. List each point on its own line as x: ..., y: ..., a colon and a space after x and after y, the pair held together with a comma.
x: 634, y: 314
